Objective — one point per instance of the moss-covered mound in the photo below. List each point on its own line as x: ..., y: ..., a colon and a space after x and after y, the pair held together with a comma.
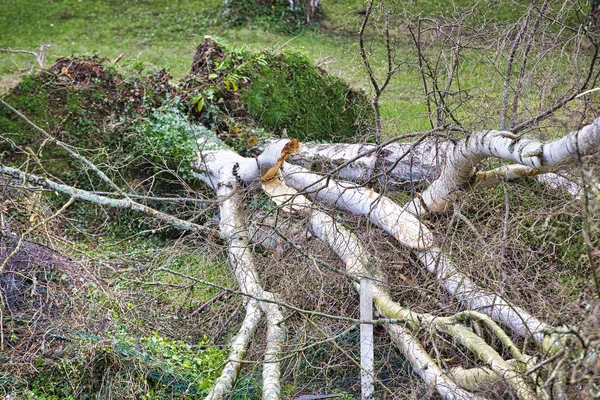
x: 87, y: 103
x: 134, y: 111
x: 273, y: 91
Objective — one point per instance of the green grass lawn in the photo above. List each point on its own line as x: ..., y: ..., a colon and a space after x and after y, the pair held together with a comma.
x: 165, y: 33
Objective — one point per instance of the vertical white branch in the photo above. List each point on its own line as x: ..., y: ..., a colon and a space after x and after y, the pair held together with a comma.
x: 367, y: 372
x: 235, y: 232
x: 239, y: 345
x: 276, y: 336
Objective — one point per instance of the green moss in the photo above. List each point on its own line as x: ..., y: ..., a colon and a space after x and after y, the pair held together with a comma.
x: 31, y: 98
x: 288, y: 91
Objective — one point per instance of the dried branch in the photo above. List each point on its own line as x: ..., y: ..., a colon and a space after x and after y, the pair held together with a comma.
x: 509, y: 64
x: 79, y: 194
x: 40, y: 55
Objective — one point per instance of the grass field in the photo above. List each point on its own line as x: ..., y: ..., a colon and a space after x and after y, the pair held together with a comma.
x: 165, y: 33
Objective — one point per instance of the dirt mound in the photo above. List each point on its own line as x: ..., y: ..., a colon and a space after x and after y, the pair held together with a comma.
x: 81, y: 72
x: 106, y: 84
x: 204, y: 59
x: 23, y: 259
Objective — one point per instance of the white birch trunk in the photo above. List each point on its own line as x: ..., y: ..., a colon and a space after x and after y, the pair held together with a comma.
x: 458, y: 170
x: 235, y: 232
x: 457, y: 174
x: 389, y: 216
x: 239, y: 345
x: 382, y: 211
x: 397, y: 166
x: 276, y: 336
x: 357, y: 260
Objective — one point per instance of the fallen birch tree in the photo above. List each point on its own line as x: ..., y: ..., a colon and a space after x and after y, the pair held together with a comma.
x: 299, y: 192
x: 500, y: 345
x: 290, y: 186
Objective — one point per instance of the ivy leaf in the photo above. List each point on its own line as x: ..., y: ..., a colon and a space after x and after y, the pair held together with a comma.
x: 200, y: 103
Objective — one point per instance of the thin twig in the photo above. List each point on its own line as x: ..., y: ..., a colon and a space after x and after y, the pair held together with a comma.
x: 67, y: 148
x: 33, y: 228
x: 509, y: 64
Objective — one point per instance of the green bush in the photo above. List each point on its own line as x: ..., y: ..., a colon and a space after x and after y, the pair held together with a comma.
x: 235, y: 91
x: 273, y: 15
x: 168, y: 138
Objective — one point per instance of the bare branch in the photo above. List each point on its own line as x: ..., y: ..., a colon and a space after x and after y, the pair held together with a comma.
x: 84, y: 195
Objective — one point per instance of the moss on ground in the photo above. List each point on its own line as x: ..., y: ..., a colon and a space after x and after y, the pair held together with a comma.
x: 235, y: 91
x: 288, y: 92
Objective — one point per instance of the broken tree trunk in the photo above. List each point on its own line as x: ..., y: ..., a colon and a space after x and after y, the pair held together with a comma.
x: 457, y: 174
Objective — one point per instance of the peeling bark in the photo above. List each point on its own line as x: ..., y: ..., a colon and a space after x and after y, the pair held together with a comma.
x: 396, y: 166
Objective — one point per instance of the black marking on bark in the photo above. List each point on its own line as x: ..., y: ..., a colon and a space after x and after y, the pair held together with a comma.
x: 236, y: 174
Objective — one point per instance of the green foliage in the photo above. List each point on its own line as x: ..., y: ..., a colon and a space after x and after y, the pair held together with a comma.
x: 151, y: 367
x: 77, y: 106
x: 240, y: 93
x: 167, y: 138
x: 190, y: 263
x: 184, y: 368
x: 31, y: 98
